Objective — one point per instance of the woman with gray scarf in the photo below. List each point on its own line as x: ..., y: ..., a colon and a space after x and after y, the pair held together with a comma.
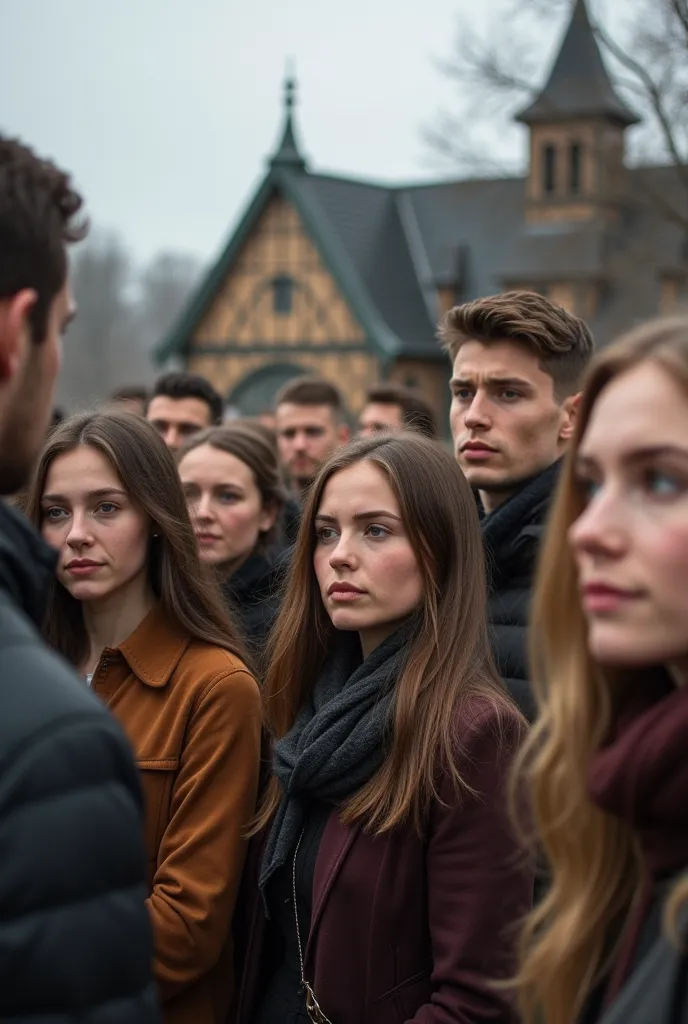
x: 388, y: 876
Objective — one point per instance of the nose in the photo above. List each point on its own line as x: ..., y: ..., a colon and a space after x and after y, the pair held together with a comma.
x: 79, y: 534
x: 171, y: 438
x: 203, y: 508
x: 343, y: 555
x: 477, y: 415
x: 599, y: 529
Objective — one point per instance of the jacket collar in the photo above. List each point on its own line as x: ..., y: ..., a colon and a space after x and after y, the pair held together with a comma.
x: 27, y: 564
x: 155, y: 648
x: 525, y: 509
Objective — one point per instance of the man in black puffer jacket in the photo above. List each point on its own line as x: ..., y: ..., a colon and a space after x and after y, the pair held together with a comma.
x: 75, y: 937
x: 517, y: 363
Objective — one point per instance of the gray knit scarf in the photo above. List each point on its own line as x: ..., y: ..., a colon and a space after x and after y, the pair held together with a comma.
x: 339, y: 738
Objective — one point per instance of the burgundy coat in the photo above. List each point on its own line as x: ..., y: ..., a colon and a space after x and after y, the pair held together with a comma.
x: 405, y: 928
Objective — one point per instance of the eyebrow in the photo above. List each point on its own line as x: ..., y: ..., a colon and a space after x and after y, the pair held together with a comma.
x: 516, y: 382
x: 359, y: 516
x: 638, y: 454
x: 102, y: 492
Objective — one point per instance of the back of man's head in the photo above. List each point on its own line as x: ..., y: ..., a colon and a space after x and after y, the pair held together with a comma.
x: 561, y: 342
x: 38, y: 218
x: 415, y: 412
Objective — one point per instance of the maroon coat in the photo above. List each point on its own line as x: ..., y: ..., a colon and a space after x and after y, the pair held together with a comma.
x: 405, y: 928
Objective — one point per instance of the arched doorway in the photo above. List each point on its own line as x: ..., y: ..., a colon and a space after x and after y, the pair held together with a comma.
x: 255, y: 393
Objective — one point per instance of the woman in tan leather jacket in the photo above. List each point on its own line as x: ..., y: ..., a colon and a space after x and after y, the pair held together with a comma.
x: 134, y: 610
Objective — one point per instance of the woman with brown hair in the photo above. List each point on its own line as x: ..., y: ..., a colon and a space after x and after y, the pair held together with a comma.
x: 388, y: 869
x: 134, y: 610
x: 607, y: 763
x: 233, y: 486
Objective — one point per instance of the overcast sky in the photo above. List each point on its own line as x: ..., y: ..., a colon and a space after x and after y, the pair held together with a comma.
x: 165, y: 110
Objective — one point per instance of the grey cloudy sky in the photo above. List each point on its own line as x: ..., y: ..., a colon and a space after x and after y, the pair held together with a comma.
x: 165, y: 110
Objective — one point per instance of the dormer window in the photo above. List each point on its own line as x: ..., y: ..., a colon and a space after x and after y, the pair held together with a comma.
x: 549, y: 169
x: 575, y: 157
x: 282, y: 294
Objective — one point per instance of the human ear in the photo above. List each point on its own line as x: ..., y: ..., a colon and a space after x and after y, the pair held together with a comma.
x: 15, y: 330
x: 570, y: 407
x: 267, y: 518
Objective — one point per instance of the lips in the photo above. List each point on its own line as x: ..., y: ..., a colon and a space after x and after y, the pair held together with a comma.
x: 344, y: 592
x: 207, y: 538
x: 82, y: 567
x: 600, y: 598
x: 475, y: 450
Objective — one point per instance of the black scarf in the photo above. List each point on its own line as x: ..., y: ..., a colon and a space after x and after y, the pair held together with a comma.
x: 339, y: 738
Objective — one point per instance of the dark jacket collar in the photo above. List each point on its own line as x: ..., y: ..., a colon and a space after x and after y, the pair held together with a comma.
x: 257, y: 578
x: 524, y: 510
x: 27, y: 563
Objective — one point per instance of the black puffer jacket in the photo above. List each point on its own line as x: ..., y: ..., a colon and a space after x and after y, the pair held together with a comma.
x: 75, y: 937
x: 511, y: 538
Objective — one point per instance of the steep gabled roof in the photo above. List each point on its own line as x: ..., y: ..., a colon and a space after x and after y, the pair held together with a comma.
x: 359, y: 231
x: 579, y: 85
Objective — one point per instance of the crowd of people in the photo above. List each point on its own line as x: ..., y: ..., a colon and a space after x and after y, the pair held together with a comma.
x: 312, y: 720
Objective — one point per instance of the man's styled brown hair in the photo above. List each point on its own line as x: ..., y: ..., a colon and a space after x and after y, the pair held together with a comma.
x: 38, y: 207
x: 179, y: 384
x: 416, y: 413
x: 311, y: 391
x: 561, y: 341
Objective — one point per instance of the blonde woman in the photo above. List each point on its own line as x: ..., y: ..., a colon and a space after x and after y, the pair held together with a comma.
x: 607, y: 763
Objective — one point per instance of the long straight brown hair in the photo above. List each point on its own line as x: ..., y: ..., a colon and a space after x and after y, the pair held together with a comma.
x: 184, y: 587
x: 592, y: 856
x: 449, y: 661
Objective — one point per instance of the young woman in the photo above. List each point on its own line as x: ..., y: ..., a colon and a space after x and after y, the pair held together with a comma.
x: 133, y: 610
x: 608, y: 760
x: 233, y: 486
x: 388, y: 867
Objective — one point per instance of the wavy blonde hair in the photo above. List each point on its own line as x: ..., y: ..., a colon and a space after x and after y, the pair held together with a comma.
x: 566, y: 943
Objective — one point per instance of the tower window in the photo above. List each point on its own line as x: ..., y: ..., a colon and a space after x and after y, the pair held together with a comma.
x: 575, y: 155
x: 549, y: 169
x: 282, y: 294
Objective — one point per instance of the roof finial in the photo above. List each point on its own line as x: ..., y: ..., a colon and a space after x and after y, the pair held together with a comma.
x: 288, y: 152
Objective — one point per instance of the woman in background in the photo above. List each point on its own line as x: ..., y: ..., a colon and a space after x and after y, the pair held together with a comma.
x: 388, y: 869
x: 233, y: 486
x: 607, y: 763
x: 135, y: 611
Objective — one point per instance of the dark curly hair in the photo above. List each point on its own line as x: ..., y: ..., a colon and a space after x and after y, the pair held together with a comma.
x: 38, y: 218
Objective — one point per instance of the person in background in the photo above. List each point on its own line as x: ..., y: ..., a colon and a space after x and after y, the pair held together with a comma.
x: 233, y: 486
x: 388, y: 868
x: 131, y: 397
x: 517, y: 361
x: 72, y: 885
x: 309, y: 418
x: 607, y: 764
x: 391, y: 408
x: 181, y: 404
x: 135, y: 611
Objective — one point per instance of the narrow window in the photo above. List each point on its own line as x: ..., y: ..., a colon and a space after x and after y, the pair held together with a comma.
x: 282, y: 294
x: 575, y: 154
x: 549, y: 169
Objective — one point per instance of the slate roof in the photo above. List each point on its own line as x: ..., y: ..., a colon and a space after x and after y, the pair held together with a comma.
x: 579, y: 85
x: 390, y: 248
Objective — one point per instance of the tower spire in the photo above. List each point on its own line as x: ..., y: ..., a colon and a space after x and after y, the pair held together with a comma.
x: 288, y: 153
x: 579, y: 85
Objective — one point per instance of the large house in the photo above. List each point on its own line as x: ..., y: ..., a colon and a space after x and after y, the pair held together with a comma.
x: 348, y: 278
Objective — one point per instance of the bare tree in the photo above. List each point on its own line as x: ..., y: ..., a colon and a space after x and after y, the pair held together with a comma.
x: 646, y: 52
x: 164, y: 289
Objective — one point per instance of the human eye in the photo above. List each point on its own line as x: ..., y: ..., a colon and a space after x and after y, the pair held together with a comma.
x: 377, y: 532
x: 588, y: 488
x: 228, y: 497
x: 462, y: 394
x: 324, y: 534
x: 54, y: 513
x: 106, y: 508
x: 662, y: 483
x: 509, y: 394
